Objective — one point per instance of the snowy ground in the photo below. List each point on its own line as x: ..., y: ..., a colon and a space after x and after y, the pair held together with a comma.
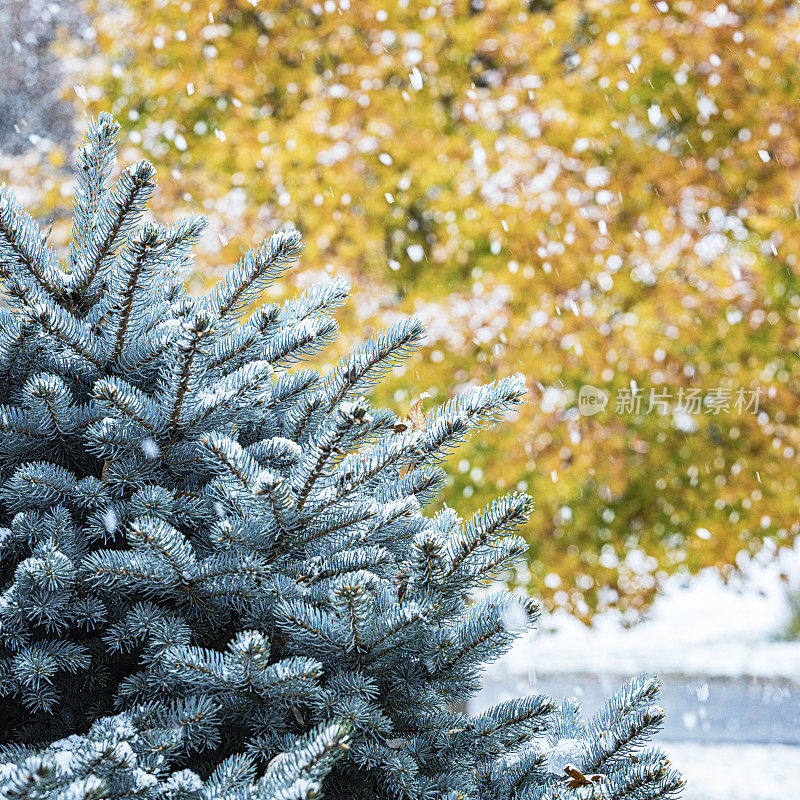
x: 699, y: 627
x: 737, y: 772
x: 731, y: 684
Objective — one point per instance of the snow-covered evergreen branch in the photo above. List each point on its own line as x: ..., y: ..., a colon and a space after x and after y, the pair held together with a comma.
x: 217, y: 580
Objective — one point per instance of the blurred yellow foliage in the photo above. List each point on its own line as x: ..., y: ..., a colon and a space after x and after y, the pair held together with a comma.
x: 588, y: 192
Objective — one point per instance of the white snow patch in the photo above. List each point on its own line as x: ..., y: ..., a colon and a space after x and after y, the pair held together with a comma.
x: 736, y: 772
x: 63, y: 759
x: 698, y: 626
x: 566, y: 752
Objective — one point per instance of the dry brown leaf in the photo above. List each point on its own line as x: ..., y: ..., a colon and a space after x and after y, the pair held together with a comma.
x: 578, y: 779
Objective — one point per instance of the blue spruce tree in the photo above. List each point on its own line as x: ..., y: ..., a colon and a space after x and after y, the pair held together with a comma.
x: 218, y: 580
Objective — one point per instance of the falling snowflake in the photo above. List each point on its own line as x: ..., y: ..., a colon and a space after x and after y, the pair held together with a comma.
x: 415, y: 252
x: 150, y: 448
x: 110, y: 520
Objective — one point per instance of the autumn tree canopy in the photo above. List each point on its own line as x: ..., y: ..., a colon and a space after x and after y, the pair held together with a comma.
x: 590, y: 193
